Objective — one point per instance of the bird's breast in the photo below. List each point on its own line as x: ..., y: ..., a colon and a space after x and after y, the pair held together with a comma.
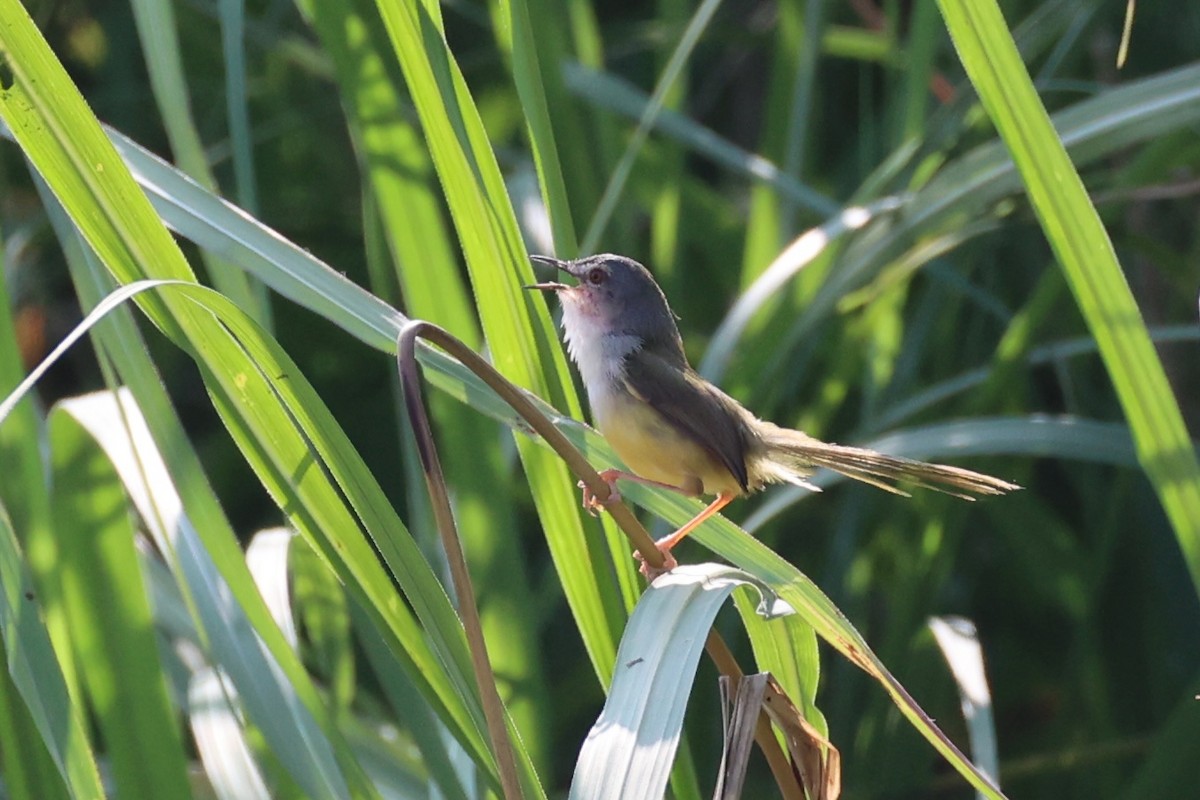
x: 654, y: 448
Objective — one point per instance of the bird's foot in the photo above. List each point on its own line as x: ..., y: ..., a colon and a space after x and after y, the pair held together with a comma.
x: 595, y: 505
x: 649, y: 572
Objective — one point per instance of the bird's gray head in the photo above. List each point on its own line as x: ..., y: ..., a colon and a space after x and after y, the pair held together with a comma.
x: 615, y: 295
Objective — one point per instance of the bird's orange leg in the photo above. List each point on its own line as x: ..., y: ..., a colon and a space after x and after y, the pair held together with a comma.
x: 611, y: 476
x: 666, y: 543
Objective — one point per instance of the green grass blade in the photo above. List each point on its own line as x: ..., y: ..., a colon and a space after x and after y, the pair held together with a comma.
x: 29, y: 770
x: 113, y: 214
x: 232, y: 14
x: 221, y: 740
x: 1083, y: 249
x: 205, y: 556
x: 37, y: 676
x: 394, y: 161
x: 958, y: 641
x: 156, y: 25
x: 109, y: 616
x: 609, y: 91
x: 527, y: 75
x: 519, y: 333
x: 406, y: 702
x: 23, y: 488
x: 786, y: 647
x: 795, y: 589
x: 799, y: 125
x: 407, y: 220
x: 970, y: 186
x: 630, y: 749
x: 1045, y: 354
x: 272, y: 698
x: 616, y: 182
x: 219, y: 227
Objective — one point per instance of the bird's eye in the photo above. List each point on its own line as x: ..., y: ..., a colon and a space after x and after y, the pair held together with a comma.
x: 596, y: 277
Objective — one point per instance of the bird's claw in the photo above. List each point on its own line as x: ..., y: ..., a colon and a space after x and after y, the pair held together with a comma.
x: 594, y: 505
x: 649, y: 572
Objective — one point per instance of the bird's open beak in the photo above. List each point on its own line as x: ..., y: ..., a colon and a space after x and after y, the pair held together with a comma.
x: 550, y: 286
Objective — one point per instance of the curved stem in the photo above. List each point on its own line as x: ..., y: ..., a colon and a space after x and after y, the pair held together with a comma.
x: 493, y: 707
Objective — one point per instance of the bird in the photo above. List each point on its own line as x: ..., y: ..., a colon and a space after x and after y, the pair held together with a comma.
x: 676, y: 430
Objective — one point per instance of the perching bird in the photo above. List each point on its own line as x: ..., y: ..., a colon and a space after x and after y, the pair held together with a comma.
x: 675, y: 429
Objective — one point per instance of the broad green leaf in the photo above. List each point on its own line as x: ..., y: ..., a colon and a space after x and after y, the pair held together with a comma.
x: 786, y: 647
x: 631, y: 747
x: 527, y: 70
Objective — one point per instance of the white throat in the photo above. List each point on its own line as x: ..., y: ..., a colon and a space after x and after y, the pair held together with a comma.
x: 599, y: 352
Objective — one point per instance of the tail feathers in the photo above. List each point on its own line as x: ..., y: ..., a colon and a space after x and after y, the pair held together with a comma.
x: 798, y: 453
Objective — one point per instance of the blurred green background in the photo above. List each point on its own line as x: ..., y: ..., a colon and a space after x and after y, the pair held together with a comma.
x: 784, y: 113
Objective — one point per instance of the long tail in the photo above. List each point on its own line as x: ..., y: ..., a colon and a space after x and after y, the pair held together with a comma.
x: 798, y: 453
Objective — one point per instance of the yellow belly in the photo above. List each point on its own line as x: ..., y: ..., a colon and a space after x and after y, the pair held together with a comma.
x: 653, y: 448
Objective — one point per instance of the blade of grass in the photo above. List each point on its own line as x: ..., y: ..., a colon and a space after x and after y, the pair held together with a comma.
x: 631, y: 747
x: 232, y: 14
x: 971, y: 186
x: 800, y: 105
x: 616, y: 182
x: 790, y: 70
x: 207, y: 561
x: 160, y: 42
x: 958, y: 641
x: 393, y: 159
x: 516, y: 35
x: 795, y: 589
x: 221, y: 740
x: 37, y: 676
x: 668, y: 186
x: 93, y: 184
x: 270, y: 697
x: 1045, y: 354
x: 29, y: 770
x: 404, y: 212
x: 919, y: 54
x: 406, y: 702
x: 795, y: 257
x: 1086, y: 254
x: 786, y: 648
x: 110, y: 618
x: 23, y: 489
x: 518, y: 328
x: 610, y: 91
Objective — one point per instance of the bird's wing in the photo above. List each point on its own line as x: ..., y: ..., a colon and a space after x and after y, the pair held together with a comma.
x: 701, y: 411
